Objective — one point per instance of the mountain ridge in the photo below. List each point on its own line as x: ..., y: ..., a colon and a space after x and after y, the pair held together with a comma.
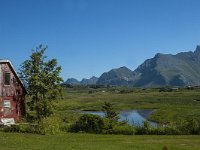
x: 84, y: 81
x: 181, y: 69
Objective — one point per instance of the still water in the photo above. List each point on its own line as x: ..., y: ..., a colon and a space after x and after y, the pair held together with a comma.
x: 133, y: 117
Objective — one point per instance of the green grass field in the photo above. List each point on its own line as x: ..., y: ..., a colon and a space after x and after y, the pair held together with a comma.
x: 168, y: 106
x: 69, y: 141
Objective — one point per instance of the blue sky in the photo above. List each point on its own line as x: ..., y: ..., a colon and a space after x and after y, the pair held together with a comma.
x: 89, y: 37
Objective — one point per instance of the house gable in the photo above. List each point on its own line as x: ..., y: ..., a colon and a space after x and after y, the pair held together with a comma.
x: 12, y: 92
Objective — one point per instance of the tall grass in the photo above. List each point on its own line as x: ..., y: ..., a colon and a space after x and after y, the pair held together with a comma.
x: 168, y: 106
x: 74, y: 141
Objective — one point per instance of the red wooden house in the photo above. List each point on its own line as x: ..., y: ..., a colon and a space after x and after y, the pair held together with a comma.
x: 12, y: 94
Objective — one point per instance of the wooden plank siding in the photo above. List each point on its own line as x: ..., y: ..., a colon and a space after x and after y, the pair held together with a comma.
x: 12, y: 93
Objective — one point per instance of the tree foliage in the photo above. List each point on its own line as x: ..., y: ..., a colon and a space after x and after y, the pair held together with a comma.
x: 110, y: 114
x: 43, y: 81
x: 88, y: 123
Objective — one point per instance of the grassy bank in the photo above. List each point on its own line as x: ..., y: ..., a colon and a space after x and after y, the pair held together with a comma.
x: 16, y: 141
x: 169, y: 106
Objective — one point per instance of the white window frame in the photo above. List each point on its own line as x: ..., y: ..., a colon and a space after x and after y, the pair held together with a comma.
x: 6, y: 104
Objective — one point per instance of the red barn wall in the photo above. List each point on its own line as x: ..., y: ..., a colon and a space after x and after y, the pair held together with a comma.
x: 13, y: 94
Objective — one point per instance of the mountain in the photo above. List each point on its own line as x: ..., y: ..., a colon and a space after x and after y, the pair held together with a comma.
x: 72, y: 81
x: 163, y: 69
x: 92, y: 80
x: 166, y: 69
x: 120, y: 76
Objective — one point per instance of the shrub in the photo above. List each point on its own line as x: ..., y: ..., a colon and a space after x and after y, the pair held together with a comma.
x: 50, y: 125
x: 111, y: 116
x: 118, y: 128
x: 88, y: 123
x: 21, y: 128
x: 124, y: 129
x: 172, y: 131
x: 190, y: 125
x: 67, y: 119
x: 145, y: 129
x: 168, y: 130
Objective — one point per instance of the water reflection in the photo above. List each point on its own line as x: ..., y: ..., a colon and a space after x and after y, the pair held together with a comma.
x: 133, y: 117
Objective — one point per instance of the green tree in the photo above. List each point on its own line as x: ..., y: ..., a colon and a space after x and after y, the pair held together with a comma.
x: 88, y: 123
x: 110, y: 114
x: 43, y: 82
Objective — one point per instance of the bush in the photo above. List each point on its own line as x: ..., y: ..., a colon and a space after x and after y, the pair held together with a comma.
x: 145, y: 129
x: 50, y: 125
x: 190, y: 125
x: 88, y: 123
x: 168, y: 130
x: 123, y: 129
x: 111, y: 116
x: 21, y: 128
x: 27, y: 128
x: 159, y: 130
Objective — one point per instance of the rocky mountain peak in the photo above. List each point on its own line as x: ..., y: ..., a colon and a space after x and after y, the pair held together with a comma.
x: 163, y: 69
x: 197, y: 51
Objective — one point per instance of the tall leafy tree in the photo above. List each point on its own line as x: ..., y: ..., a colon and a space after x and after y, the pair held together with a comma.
x: 110, y: 114
x: 43, y: 81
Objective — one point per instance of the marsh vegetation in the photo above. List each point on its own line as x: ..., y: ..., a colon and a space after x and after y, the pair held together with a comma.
x: 177, y: 112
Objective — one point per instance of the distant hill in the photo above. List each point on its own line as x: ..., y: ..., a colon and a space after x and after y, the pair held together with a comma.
x: 163, y: 69
x: 166, y: 69
x: 73, y: 81
x: 121, y: 76
x: 92, y: 80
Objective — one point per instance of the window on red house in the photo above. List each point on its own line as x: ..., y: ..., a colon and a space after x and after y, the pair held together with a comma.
x: 7, y: 78
x: 6, y: 104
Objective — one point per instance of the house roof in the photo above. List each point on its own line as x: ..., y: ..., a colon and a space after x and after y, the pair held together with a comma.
x: 5, y: 61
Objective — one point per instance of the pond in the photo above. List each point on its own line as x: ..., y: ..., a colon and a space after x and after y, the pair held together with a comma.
x: 133, y: 117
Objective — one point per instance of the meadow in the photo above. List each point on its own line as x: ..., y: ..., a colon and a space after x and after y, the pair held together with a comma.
x: 168, y: 106
x: 75, y: 141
